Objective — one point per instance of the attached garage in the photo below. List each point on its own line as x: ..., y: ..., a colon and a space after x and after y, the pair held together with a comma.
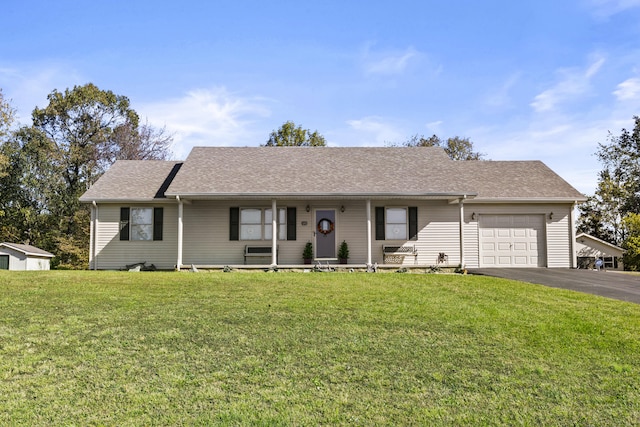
x: 512, y: 241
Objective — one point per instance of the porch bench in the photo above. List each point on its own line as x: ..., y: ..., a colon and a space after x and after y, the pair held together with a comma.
x: 389, y: 251
x: 251, y: 251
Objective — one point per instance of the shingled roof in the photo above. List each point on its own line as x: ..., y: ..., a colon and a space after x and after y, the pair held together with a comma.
x: 27, y: 249
x: 133, y: 180
x: 264, y: 172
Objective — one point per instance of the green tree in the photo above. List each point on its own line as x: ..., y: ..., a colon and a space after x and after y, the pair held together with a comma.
x: 631, y: 257
x: 456, y: 148
x: 7, y: 117
x: 49, y: 164
x: 610, y: 213
x: 288, y: 135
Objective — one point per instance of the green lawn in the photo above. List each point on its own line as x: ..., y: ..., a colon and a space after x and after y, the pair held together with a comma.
x: 106, y: 348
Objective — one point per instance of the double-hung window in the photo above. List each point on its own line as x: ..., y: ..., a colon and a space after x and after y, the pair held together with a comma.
x: 141, y: 223
x: 256, y: 224
x: 396, y: 223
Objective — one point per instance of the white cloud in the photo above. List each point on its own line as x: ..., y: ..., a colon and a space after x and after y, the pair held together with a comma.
x: 27, y: 86
x: 373, y: 131
x: 501, y: 96
x: 628, y: 90
x: 572, y: 84
x: 388, y: 63
x: 208, y: 117
x: 607, y: 8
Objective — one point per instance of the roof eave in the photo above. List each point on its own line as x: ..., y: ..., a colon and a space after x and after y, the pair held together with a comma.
x: 321, y: 196
x: 536, y: 200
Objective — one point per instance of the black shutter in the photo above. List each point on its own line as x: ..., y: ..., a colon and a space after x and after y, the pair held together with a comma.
x: 380, y: 223
x: 413, y: 223
x: 124, y: 223
x: 291, y: 223
x: 158, y: 213
x: 234, y: 224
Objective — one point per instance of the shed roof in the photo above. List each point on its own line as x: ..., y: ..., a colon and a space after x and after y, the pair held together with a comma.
x: 234, y: 172
x: 28, y: 250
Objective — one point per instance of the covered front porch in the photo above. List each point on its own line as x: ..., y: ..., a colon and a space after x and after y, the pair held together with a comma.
x: 424, y: 231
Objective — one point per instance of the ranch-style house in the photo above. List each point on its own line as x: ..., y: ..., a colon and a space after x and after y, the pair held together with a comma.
x: 262, y: 205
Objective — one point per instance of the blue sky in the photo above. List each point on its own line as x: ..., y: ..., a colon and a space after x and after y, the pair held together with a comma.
x: 545, y: 79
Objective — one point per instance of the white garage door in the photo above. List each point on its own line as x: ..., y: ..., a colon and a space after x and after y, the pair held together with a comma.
x: 512, y: 241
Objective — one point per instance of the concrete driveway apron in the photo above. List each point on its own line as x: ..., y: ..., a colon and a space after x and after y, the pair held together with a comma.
x: 610, y: 284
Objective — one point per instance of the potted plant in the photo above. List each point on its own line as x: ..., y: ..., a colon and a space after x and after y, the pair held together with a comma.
x: 307, y: 253
x: 343, y: 252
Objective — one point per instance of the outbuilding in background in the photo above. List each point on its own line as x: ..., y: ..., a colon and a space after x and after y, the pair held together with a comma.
x: 589, y: 248
x: 15, y: 256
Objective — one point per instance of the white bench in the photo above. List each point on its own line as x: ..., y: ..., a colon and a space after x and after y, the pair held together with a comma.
x: 390, y: 251
x: 258, y: 251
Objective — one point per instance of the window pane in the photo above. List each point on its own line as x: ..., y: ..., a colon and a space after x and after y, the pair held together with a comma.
x: 141, y: 231
x: 396, y: 232
x: 141, y: 223
x: 267, y: 232
x: 250, y: 232
x: 250, y: 216
x: 141, y: 216
x: 282, y: 216
x: 396, y: 215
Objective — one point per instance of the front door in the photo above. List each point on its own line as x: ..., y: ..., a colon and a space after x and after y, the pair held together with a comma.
x: 325, y: 233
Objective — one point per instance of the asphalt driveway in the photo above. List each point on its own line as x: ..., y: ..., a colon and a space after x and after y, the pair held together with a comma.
x: 610, y: 284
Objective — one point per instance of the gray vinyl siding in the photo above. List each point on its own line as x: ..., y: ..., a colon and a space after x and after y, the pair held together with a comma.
x: 114, y: 254
x: 206, y: 233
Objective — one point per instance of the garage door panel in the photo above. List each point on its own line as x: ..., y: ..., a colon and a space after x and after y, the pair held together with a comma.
x: 512, y: 240
x: 520, y: 247
x: 503, y: 232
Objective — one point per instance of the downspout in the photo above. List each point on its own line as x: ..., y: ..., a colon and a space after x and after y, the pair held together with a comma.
x: 368, y: 232
x: 274, y: 234
x: 461, y: 204
x: 93, y: 236
x: 180, y: 213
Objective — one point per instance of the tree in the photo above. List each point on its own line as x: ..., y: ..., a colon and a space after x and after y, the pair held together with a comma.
x: 49, y: 164
x: 611, y: 213
x: 631, y: 257
x: 288, y: 135
x: 456, y: 148
x: 7, y: 117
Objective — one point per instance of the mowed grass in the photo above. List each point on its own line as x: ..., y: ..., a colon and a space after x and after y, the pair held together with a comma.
x: 115, y: 348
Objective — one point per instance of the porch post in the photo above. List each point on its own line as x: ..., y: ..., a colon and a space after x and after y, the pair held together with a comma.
x: 274, y: 233
x: 368, y: 209
x: 572, y: 244
x: 180, y: 214
x: 461, y: 204
x: 93, y: 236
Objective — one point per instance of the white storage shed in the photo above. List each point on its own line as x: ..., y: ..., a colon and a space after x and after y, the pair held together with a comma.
x: 15, y: 256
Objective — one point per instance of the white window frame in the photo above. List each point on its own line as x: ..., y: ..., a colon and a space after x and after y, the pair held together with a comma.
x: 388, y: 235
x: 262, y: 230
